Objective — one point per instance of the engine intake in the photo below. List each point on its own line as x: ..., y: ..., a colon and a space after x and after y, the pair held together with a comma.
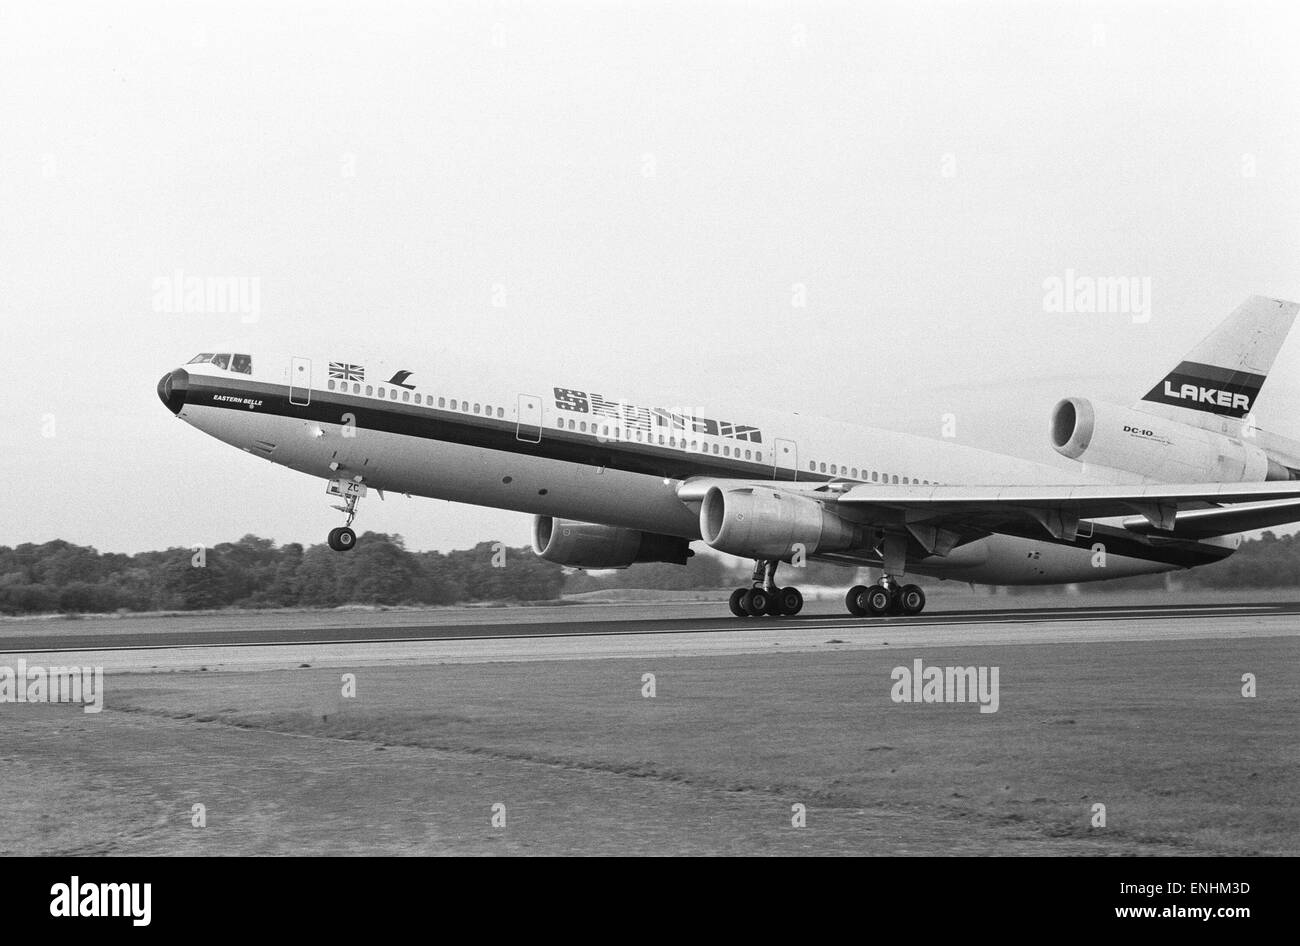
x: 1123, y: 439
x: 588, y: 545
x: 754, y: 522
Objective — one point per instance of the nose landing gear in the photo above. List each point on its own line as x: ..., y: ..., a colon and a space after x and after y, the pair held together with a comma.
x: 343, y: 539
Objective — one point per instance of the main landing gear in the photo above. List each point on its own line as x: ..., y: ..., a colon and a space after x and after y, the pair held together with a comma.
x: 888, y: 597
x: 764, y: 597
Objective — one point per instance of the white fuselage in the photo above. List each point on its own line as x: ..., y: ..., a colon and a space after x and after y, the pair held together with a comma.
x: 596, y: 455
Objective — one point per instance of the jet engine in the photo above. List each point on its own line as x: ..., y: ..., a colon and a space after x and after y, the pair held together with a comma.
x: 588, y: 545
x: 756, y: 522
x: 1166, y: 450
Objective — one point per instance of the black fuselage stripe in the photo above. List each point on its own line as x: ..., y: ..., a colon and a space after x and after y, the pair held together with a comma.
x: 492, y: 433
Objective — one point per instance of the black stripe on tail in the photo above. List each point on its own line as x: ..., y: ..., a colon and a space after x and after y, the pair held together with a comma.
x: 1208, y: 388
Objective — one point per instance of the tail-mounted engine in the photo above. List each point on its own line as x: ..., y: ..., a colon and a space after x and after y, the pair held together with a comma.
x: 1122, y: 439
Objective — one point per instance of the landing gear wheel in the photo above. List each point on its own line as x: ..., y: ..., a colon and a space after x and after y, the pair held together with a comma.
x: 755, y: 602
x: 876, y: 600
x: 342, y: 540
x: 737, y: 603
x: 911, y: 600
x: 851, y: 601
x: 791, y: 601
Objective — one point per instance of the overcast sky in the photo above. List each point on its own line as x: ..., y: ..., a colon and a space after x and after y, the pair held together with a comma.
x: 838, y: 208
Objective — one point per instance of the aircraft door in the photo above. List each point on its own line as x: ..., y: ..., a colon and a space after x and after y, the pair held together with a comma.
x: 785, y: 464
x: 529, y: 426
x: 300, y: 381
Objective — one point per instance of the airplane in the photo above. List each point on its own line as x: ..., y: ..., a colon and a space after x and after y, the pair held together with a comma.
x: 1168, y: 482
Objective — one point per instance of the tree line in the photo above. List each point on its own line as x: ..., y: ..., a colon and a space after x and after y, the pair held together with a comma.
x: 257, y: 573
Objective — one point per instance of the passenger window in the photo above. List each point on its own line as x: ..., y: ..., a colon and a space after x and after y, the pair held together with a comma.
x: 418, y: 399
x: 221, y: 361
x: 715, y: 448
x: 854, y: 473
x: 583, y: 427
x: 501, y: 412
x: 747, y: 453
x: 442, y: 402
x: 406, y: 396
x: 356, y: 389
x: 370, y: 390
x: 823, y: 467
x: 393, y: 393
x: 895, y: 478
x: 476, y: 409
x: 331, y: 384
x: 381, y: 392
x: 453, y: 405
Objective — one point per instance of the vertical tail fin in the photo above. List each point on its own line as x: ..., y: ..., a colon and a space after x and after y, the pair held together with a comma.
x: 1218, y: 382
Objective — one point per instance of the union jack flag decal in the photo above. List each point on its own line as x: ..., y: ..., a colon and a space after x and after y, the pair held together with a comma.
x: 342, y: 372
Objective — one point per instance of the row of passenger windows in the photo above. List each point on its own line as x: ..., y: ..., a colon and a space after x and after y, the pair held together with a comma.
x: 872, y: 476
x: 662, y: 440
x: 392, y: 394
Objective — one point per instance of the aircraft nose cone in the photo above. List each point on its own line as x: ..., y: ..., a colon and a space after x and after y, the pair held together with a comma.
x: 172, y: 389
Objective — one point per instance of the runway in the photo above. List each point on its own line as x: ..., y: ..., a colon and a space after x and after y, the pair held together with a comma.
x: 562, y: 623
x: 603, y: 632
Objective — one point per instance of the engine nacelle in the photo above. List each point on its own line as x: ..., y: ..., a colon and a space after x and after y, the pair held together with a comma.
x: 1165, y: 450
x: 755, y: 522
x: 588, y: 545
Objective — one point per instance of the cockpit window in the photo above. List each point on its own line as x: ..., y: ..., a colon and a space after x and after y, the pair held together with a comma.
x: 243, y: 364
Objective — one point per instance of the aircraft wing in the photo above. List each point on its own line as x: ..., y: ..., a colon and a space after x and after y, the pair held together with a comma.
x: 1159, y: 504
x: 939, y: 518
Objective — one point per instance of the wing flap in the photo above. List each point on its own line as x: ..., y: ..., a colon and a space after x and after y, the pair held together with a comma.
x: 1224, y: 520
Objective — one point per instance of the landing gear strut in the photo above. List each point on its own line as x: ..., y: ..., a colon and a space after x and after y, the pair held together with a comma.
x: 763, y: 596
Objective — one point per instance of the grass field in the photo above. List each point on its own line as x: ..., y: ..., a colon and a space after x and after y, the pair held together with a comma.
x: 583, y: 763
